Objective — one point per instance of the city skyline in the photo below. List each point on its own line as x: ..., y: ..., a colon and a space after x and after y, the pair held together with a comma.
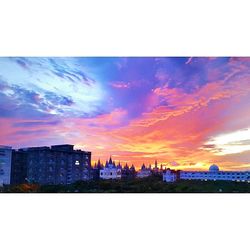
x: 183, y: 112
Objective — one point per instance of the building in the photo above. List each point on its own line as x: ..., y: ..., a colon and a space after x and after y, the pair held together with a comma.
x: 58, y: 164
x: 144, y: 171
x: 128, y: 173
x: 170, y: 175
x: 156, y: 171
x: 18, y: 167
x: 5, y: 165
x: 213, y: 174
x: 111, y: 171
x: 96, y: 170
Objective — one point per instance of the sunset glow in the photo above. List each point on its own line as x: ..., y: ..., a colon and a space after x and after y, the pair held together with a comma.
x: 186, y: 113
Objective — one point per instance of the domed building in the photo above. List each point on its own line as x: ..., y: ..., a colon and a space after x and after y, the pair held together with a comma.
x: 213, y: 174
x: 214, y: 168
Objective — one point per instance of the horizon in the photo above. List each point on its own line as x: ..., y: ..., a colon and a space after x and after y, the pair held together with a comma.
x: 186, y: 113
x: 151, y: 165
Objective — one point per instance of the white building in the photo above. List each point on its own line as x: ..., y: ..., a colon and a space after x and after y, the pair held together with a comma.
x: 144, y: 172
x: 170, y: 175
x: 213, y: 174
x: 5, y: 164
x: 110, y: 171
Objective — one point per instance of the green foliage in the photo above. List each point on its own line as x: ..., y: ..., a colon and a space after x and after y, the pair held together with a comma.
x: 152, y: 184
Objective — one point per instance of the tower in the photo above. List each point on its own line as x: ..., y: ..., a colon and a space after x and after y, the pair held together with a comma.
x: 110, y: 160
x: 155, y: 163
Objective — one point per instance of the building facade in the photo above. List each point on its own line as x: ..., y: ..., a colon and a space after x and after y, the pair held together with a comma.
x: 170, y: 175
x: 96, y: 170
x: 144, y: 172
x: 5, y: 165
x: 128, y: 173
x: 58, y: 164
x: 18, y: 167
x: 111, y: 171
x: 213, y: 174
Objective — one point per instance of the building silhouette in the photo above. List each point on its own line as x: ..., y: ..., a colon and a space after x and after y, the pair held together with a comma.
x: 19, y: 167
x: 5, y: 164
x: 58, y: 164
x: 144, y: 171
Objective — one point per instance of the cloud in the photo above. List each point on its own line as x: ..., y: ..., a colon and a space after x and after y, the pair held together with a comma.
x: 120, y: 85
x: 138, y: 109
x: 36, y: 123
x: 49, y: 85
x: 28, y: 132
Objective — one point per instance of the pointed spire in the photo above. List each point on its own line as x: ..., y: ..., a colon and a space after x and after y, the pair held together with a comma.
x: 132, y: 167
x: 99, y: 163
x: 110, y: 160
x: 143, y: 166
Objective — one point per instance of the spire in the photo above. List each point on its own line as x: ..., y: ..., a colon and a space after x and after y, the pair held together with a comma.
x: 110, y: 160
x: 99, y: 164
x: 106, y: 165
x: 119, y: 166
x: 132, y: 167
x: 143, y: 166
x: 155, y: 163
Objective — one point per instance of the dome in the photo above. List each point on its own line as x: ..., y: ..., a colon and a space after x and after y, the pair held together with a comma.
x: 214, y: 168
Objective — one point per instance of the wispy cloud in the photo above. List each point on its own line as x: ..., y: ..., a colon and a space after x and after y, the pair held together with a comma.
x: 175, y: 110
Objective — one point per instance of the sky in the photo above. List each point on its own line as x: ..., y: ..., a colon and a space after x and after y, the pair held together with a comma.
x: 186, y: 113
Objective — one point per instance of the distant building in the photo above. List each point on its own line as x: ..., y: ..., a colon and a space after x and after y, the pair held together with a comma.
x: 58, y: 164
x: 132, y: 171
x: 5, y: 165
x: 96, y: 170
x: 144, y: 172
x: 170, y: 175
x: 156, y: 171
x: 128, y: 173
x: 19, y: 167
x: 213, y: 174
x: 110, y: 171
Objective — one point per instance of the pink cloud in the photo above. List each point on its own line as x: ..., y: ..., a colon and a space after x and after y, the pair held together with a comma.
x: 120, y: 85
